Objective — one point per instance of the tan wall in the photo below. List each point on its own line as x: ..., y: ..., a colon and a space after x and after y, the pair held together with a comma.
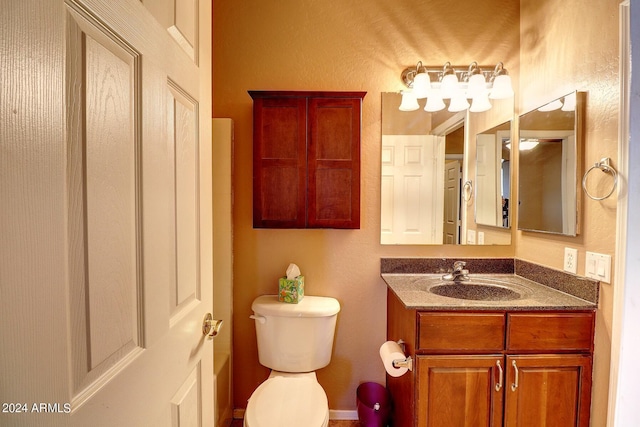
x: 569, y: 45
x: 336, y: 45
x: 364, y: 45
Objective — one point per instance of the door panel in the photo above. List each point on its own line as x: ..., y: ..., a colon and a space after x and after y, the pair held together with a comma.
x: 180, y: 19
x: 104, y: 194
x: 183, y: 132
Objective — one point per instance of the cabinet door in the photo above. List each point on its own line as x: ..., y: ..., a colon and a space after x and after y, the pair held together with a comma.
x: 279, y: 162
x: 549, y: 391
x: 334, y: 162
x: 460, y: 391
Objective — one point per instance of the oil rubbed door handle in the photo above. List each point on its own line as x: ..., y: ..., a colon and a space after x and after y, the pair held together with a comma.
x: 514, y: 385
x: 500, y: 376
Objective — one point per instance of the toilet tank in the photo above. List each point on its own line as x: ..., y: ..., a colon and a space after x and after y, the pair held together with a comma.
x: 295, y: 337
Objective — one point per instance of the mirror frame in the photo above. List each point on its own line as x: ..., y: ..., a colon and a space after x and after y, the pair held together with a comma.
x: 579, y: 133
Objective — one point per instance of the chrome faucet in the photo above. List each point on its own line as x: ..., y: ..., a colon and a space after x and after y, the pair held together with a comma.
x: 458, y: 272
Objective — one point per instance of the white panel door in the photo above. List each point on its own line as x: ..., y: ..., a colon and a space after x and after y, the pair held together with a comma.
x: 487, y: 191
x: 412, y: 184
x: 451, y: 226
x: 106, y: 262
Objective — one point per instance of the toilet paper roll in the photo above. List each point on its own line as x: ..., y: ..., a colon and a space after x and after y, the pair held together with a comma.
x: 390, y: 351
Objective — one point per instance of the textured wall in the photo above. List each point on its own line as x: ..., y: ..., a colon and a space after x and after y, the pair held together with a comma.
x: 337, y: 45
x: 569, y: 45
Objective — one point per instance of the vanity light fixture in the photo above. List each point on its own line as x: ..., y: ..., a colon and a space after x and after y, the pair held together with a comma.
x: 437, y: 84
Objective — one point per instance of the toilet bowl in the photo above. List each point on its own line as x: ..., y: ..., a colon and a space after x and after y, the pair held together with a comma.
x: 294, y: 340
x: 288, y: 400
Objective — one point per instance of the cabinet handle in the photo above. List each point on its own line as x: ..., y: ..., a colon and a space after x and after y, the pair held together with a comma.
x: 514, y: 386
x: 500, y: 377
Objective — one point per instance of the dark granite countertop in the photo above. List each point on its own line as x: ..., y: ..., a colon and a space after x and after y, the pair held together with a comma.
x: 413, y: 290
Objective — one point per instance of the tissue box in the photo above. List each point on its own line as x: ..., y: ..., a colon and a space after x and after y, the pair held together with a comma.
x: 291, y: 291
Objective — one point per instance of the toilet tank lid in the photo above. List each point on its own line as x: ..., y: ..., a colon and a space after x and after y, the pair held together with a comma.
x: 310, y: 306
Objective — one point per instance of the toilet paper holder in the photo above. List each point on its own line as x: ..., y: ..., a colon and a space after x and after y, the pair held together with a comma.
x: 403, y: 363
x: 407, y: 362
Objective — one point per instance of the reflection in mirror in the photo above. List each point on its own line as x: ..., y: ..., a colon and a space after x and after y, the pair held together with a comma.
x: 493, y: 176
x: 424, y: 163
x: 549, y: 166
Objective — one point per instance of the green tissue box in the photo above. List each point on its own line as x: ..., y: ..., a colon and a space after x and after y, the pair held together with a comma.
x: 291, y: 291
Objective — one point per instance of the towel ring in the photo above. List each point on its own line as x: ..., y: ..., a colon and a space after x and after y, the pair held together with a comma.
x: 605, y: 166
x: 467, y: 190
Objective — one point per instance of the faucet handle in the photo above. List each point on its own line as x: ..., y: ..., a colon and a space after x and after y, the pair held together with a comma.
x: 458, y: 265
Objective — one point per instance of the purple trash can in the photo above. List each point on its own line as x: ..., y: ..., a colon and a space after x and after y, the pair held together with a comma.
x: 374, y: 405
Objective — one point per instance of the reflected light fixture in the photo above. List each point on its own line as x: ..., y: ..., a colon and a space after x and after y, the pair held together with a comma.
x: 446, y: 82
x: 552, y: 106
x: 527, y: 144
x: 568, y: 103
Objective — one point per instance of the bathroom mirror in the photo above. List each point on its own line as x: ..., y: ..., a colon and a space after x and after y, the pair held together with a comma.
x: 550, y: 144
x: 426, y: 158
x: 493, y: 176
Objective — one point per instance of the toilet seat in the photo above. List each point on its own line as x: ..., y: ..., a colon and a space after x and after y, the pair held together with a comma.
x: 288, y: 401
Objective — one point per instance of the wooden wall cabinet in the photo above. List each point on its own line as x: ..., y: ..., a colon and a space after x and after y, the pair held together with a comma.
x: 512, y: 369
x: 306, y: 159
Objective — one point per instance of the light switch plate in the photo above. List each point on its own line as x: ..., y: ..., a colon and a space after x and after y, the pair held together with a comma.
x: 471, y: 237
x: 571, y: 260
x: 598, y: 266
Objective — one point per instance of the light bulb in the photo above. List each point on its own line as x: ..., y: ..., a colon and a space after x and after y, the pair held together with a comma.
x: 434, y: 101
x: 409, y: 102
x: 501, y: 87
x: 421, y: 85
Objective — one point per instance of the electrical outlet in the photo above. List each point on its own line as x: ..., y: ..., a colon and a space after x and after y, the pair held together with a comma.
x: 480, y: 237
x: 571, y: 260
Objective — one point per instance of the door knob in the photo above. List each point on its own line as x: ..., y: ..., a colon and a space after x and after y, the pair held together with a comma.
x: 210, y: 327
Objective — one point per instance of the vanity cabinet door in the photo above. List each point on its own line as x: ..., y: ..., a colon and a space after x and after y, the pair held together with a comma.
x: 548, y: 390
x: 460, y: 391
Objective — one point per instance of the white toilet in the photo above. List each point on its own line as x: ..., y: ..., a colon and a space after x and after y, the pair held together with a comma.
x: 294, y: 340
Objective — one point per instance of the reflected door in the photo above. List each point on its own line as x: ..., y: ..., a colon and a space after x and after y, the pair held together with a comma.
x: 488, y: 198
x: 412, y: 185
x: 451, y: 225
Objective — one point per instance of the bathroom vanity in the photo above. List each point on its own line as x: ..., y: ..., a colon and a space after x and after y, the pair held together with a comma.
x: 492, y: 358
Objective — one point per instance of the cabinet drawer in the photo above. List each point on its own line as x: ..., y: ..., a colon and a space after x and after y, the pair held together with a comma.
x: 532, y: 332
x: 461, y: 332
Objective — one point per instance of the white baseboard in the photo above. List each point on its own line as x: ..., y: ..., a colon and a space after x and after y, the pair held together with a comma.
x: 334, y: 414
